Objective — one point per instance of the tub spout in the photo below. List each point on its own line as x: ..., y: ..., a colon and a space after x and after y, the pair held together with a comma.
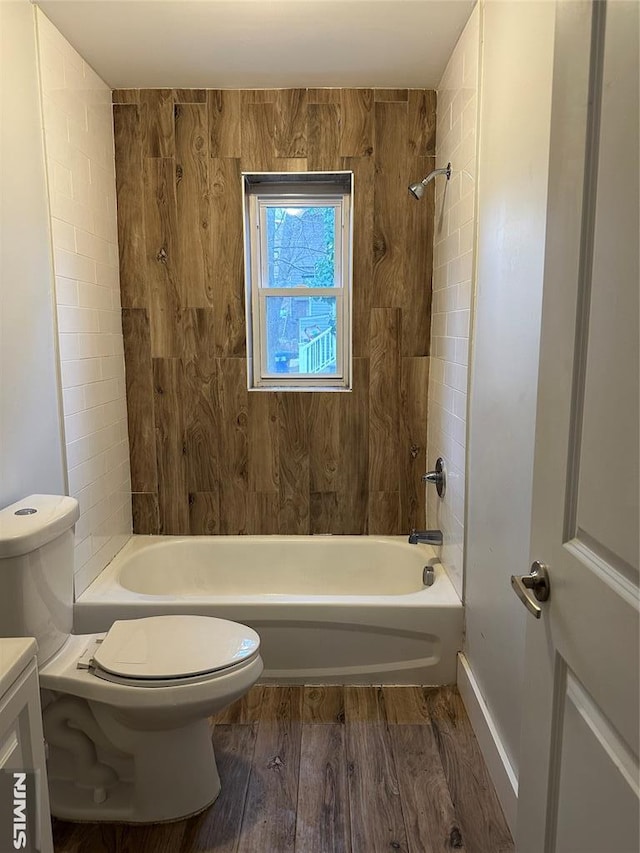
x: 428, y: 537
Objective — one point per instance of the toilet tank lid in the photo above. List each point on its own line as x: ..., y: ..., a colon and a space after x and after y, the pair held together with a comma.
x: 32, y: 522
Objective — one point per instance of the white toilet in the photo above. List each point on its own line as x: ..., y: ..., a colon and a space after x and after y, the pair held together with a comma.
x: 125, y: 713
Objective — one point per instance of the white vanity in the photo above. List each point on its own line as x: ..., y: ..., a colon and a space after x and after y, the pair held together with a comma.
x: 21, y: 740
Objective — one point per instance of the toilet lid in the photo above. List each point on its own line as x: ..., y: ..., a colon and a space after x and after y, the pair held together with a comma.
x: 174, y: 646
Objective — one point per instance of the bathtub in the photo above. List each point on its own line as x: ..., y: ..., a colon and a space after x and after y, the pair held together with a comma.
x: 329, y: 609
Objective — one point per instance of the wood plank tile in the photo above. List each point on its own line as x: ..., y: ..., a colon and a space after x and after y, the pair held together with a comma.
x: 243, y: 711
x: 130, y: 195
x: 430, y: 819
x: 324, y: 442
x: 384, y: 513
x: 363, y: 169
x: 293, y: 449
x: 354, y: 451
x: 218, y: 829
x: 190, y: 96
x: 258, y: 134
x: 323, y: 96
x: 384, y: 400
x: 204, y: 513
x: 325, y: 515
x: 375, y: 808
x: 415, y: 298
x: 160, y: 267
x: 125, y: 96
x: 233, y: 445
x: 290, y: 164
x: 193, y: 238
x: 356, y: 110
x: 421, y: 135
x: 139, y: 384
x: 144, y: 507
x: 224, y: 122
x: 157, y: 122
x: 322, y: 819
x: 405, y: 706
x: 481, y: 820
x: 227, y: 262
x: 323, y: 704
x: 263, y: 513
x: 259, y: 96
x: 323, y: 137
x: 390, y: 203
x: 414, y: 387
x: 269, y: 821
x: 263, y: 430
x: 173, y: 499
x: 201, y: 405
x: 363, y: 704
x: 391, y: 95
x: 291, y: 123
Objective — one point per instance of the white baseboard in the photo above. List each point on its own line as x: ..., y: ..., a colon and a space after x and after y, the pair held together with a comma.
x: 500, y: 769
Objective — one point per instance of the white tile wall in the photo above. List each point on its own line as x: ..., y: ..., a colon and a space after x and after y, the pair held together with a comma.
x: 457, y: 113
x: 78, y: 134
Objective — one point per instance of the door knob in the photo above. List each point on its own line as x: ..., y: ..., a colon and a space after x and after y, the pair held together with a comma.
x: 537, y: 583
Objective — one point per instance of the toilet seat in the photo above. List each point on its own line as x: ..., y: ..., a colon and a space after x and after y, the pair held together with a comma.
x: 160, y: 651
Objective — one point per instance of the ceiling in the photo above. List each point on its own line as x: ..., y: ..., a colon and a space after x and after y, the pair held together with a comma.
x: 263, y: 43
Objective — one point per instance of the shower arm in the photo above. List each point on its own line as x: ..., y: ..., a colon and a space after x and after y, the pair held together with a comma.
x: 445, y: 171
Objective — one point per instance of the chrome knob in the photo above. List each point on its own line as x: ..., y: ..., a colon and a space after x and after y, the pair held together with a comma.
x: 437, y: 477
x: 538, y: 582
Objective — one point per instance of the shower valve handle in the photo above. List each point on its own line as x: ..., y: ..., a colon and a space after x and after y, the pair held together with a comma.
x: 437, y: 477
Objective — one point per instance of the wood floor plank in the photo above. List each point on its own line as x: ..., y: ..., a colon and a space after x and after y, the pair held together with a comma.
x: 190, y: 96
x: 325, y: 513
x: 263, y: 513
x: 363, y: 704
x: 243, y: 711
x: 384, y: 513
x: 482, y: 822
x: 218, y: 829
x: 390, y: 95
x: 264, y: 471
x: 377, y: 824
x: 233, y: 445
x: 293, y: 458
x: 354, y: 451
x: 258, y: 133
x: 322, y: 819
x: 204, y: 513
x: 416, y: 295
x: 144, y: 508
x: 429, y: 816
x: 269, y: 822
x: 405, y: 706
x: 363, y: 169
x: 323, y: 704
x: 324, y: 442
x: 421, y: 135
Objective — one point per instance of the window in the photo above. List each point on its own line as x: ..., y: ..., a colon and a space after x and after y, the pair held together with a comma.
x: 298, y: 236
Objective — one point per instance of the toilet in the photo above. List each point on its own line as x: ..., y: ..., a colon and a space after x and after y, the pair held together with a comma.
x: 124, y: 712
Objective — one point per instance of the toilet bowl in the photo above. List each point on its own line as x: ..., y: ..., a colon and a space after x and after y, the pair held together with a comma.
x: 124, y: 712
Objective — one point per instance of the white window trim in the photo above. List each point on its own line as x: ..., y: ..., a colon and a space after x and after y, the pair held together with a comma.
x: 302, y: 189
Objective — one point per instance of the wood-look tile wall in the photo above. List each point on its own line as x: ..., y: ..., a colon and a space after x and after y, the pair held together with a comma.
x: 207, y: 456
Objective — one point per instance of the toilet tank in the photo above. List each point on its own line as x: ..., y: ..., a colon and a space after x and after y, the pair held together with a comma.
x: 36, y: 570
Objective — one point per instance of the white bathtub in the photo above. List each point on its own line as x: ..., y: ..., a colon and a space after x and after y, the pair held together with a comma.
x: 329, y: 609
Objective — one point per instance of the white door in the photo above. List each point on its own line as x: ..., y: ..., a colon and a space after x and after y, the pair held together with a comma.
x: 579, y: 786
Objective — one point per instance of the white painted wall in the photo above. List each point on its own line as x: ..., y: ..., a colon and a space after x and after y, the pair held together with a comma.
x: 31, y: 445
x: 454, y: 233
x: 513, y: 161
x: 78, y: 130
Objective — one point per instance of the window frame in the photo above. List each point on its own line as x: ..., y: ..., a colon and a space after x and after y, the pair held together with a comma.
x: 296, y: 189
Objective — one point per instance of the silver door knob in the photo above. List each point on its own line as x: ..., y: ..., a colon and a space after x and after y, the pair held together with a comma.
x: 537, y: 582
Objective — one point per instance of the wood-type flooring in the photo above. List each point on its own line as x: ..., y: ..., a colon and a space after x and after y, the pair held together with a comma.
x: 331, y: 770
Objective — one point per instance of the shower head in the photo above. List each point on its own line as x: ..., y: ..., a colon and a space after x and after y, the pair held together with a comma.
x: 417, y: 190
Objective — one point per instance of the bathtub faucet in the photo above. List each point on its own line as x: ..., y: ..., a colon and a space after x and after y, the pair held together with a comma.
x: 429, y: 537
